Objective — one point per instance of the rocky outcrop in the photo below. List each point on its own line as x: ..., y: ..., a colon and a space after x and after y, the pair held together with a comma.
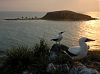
x: 79, y: 68
x: 76, y: 69
x: 61, y: 63
x: 66, y: 15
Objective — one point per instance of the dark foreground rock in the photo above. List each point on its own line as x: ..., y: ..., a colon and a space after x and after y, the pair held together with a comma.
x: 66, y: 15
x: 76, y: 69
x: 79, y: 68
x: 61, y: 63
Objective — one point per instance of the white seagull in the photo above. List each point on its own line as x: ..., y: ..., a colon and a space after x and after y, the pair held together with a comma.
x: 58, y: 38
x: 80, y: 51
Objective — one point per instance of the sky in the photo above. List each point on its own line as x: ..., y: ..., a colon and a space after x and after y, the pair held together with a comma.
x: 50, y: 5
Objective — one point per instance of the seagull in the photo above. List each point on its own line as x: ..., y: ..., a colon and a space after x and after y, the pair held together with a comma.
x: 58, y: 38
x: 79, y: 52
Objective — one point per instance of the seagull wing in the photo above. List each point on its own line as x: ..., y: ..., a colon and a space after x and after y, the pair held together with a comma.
x: 74, y: 50
x: 55, y: 38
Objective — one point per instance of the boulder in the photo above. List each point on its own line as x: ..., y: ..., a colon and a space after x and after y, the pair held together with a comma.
x: 58, y: 56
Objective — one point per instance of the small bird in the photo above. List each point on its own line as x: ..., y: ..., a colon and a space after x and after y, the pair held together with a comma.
x: 78, y: 52
x: 58, y: 38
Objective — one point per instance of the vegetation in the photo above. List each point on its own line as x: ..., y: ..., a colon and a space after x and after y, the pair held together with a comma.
x: 23, y: 58
x: 35, y: 60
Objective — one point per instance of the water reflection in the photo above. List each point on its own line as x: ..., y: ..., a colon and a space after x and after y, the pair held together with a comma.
x: 91, y: 29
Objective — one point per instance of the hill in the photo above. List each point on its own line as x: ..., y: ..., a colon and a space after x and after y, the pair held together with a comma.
x: 67, y: 15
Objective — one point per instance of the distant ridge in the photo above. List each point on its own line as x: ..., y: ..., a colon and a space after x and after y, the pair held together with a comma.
x: 67, y: 15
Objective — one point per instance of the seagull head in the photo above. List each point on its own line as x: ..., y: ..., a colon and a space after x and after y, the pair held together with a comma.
x: 84, y: 39
x: 62, y: 32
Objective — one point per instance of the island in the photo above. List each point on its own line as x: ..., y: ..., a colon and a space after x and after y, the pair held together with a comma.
x: 67, y: 15
x: 59, y: 16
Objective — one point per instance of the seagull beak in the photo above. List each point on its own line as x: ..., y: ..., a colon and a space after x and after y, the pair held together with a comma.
x: 88, y: 40
x: 62, y: 32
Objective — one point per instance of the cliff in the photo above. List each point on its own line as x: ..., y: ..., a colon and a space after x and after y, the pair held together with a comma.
x: 66, y: 15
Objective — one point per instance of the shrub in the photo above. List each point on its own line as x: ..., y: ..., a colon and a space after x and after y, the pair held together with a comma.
x: 23, y: 58
x: 41, y: 53
x: 17, y: 60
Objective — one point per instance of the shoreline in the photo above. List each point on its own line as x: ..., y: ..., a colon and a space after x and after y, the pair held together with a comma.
x: 23, y: 19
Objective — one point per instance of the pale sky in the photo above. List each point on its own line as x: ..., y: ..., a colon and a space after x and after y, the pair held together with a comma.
x: 49, y: 5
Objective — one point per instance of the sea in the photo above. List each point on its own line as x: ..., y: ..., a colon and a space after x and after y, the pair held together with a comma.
x: 29, y: 32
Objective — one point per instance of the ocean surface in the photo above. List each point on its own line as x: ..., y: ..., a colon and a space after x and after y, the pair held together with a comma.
x: 29, y: 32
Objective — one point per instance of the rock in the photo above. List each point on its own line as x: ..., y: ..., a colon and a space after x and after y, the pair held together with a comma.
x: 76, y: 69
x: 82, y: 69
x: 53, y: 56
x: 59, y: 69
x: 58, y: 56
x: 61, y: 63
x: 66, y: 15
x: 57, y: 48
x: 26, y: 72
x: 62, y: 68
x: 51, y: 68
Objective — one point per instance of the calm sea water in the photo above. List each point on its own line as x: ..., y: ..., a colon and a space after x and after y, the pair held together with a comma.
x: 29, y: 32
